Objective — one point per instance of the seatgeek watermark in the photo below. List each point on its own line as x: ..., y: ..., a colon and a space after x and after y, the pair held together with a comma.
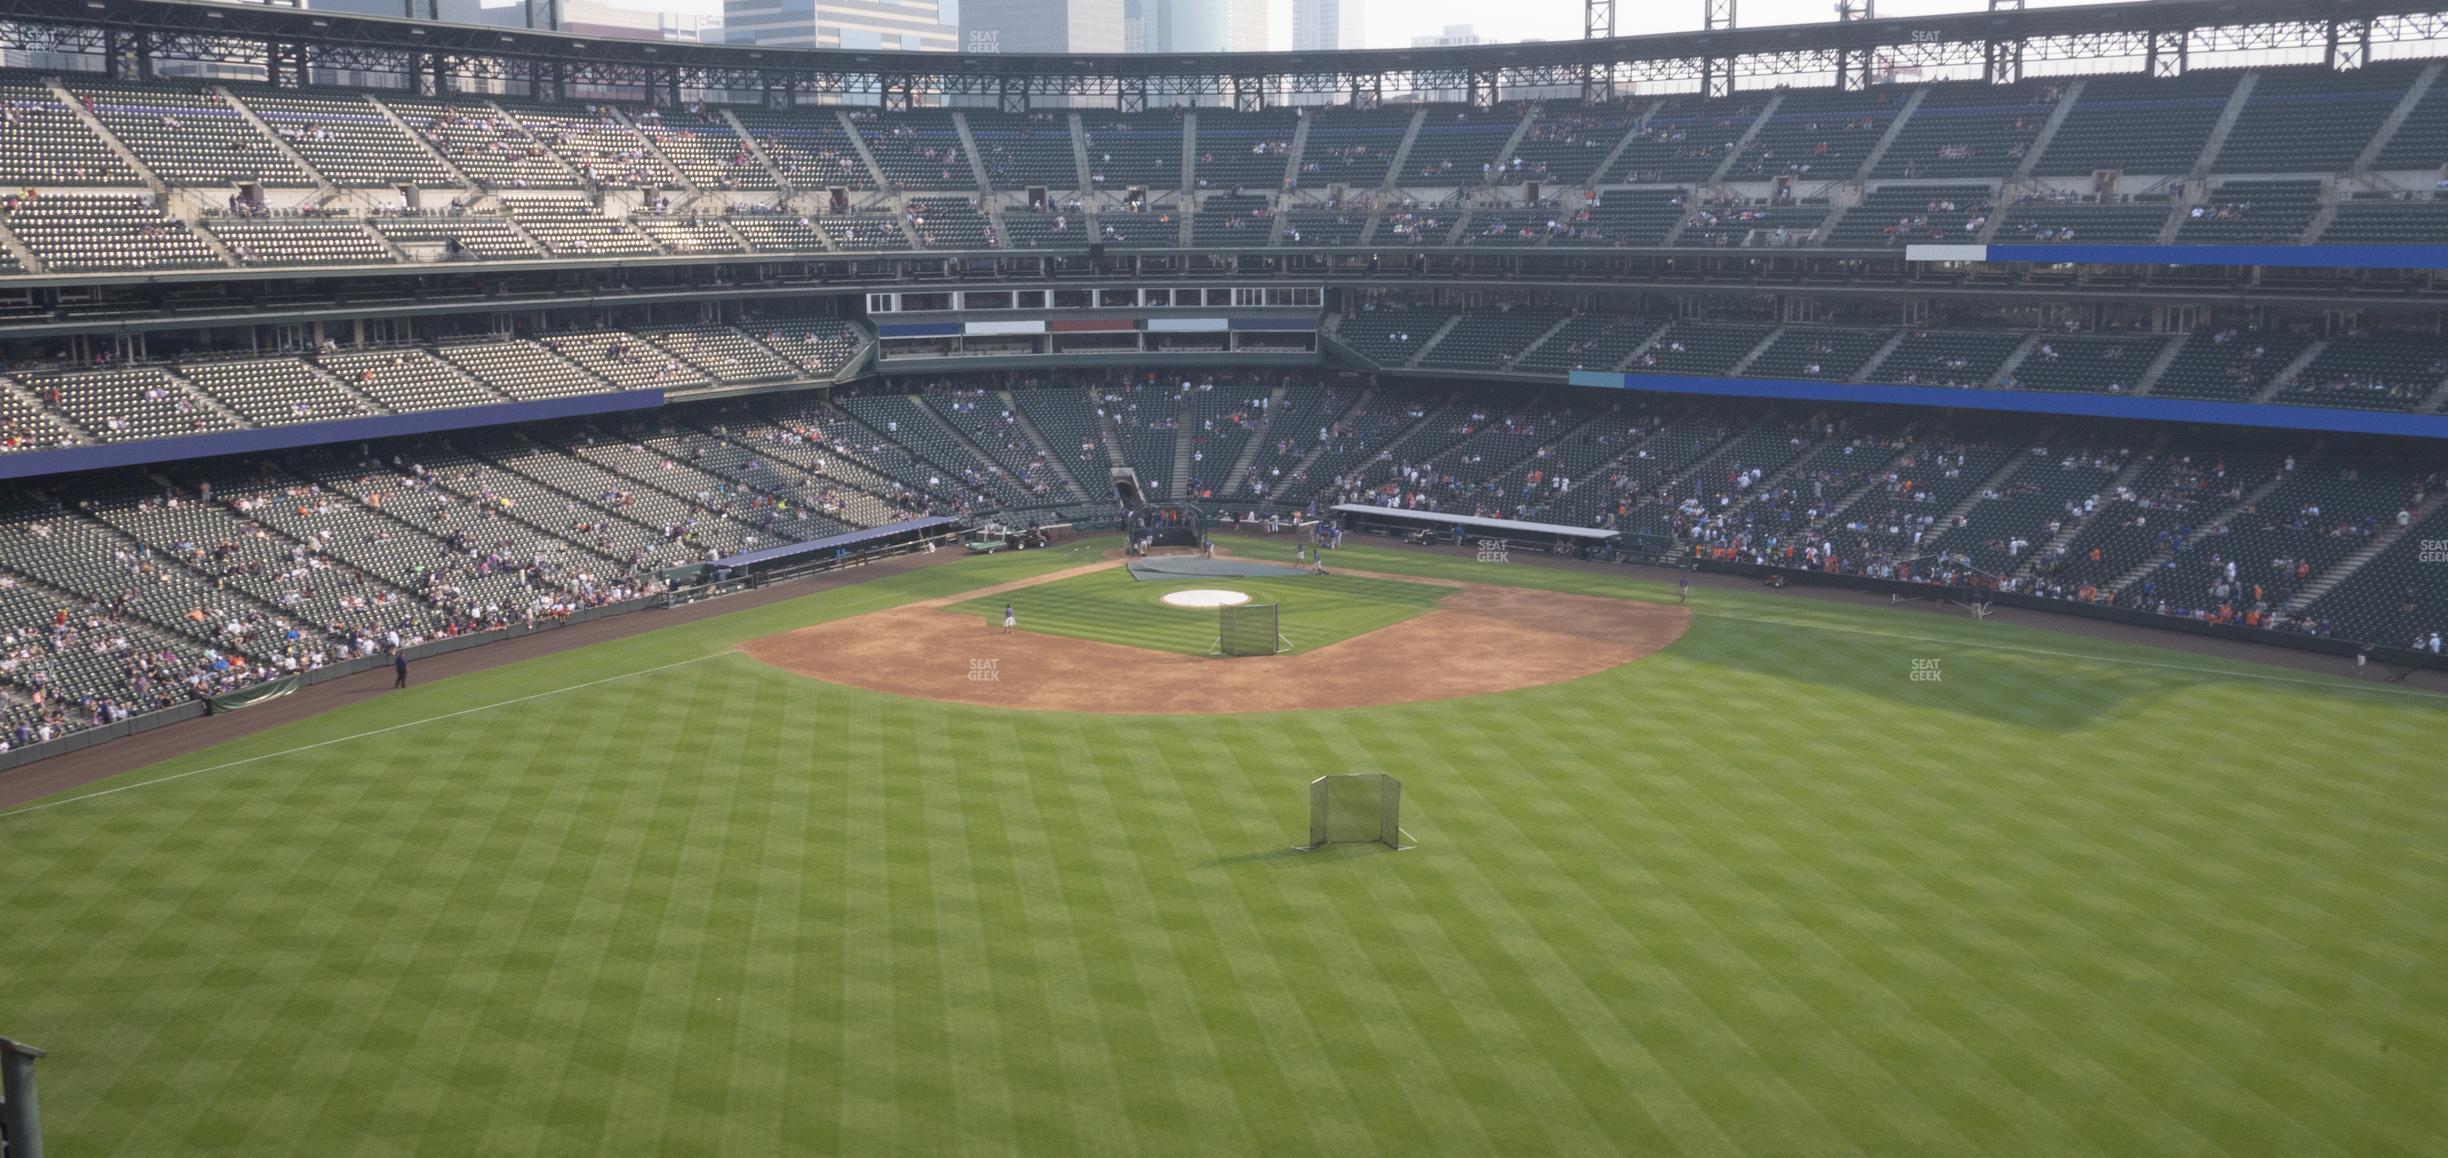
x: 1927, y: 671
x: 2433, y: 551
x: 985, y: 671
x: 1493, y: 550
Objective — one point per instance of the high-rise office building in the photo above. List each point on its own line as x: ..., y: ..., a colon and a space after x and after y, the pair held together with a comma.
x: 1056, y: 26
x: 899, y: 25
x: 1326, y: 25
x: 1454, y: 36
x: 1195, y: 26
x: 624, y: 19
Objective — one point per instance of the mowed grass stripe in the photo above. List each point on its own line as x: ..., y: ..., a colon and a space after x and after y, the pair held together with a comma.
x: 1760, y: 893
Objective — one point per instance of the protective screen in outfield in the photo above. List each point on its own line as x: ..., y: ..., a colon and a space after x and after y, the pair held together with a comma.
x: 1355, y: 808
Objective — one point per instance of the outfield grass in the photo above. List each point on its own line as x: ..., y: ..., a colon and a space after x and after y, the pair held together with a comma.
x: 1762, y: 893
x: 1111, y: 607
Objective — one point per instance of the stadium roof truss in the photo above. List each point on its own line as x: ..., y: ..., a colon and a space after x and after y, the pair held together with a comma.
x: 131, y: 39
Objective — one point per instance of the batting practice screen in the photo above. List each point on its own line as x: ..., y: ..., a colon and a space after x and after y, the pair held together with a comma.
x: 1355, y: 808
x: 1250, y: 629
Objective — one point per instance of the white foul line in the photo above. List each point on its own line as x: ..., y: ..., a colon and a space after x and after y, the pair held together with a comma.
x: 357, y: 735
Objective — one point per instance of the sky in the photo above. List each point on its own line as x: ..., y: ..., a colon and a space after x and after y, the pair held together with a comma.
x: 1392, y: 23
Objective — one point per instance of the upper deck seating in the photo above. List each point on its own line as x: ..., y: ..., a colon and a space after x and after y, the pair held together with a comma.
x: 350, y: 141
x: 2138, y: 125
x: 43, y: 144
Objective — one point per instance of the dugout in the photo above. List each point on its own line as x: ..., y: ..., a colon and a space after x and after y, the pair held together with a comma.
x: 833, y: 550
x: 1168, y: 525
x: 1437, y: 527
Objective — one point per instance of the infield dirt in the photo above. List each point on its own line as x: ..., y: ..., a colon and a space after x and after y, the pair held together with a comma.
x: 1477, y: 641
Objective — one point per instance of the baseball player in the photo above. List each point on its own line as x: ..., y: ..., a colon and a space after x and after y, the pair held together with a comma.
x: 1009, y: 619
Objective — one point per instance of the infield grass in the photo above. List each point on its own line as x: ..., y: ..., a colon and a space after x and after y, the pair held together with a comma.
x: 1760, y: 894
x: 1111, y: 607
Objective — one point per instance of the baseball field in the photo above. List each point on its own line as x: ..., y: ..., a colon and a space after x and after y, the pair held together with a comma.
x: 1792, y: 877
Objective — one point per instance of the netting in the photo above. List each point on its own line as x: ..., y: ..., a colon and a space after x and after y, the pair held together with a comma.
x: 1357, y: 807
x: 1250, y: 629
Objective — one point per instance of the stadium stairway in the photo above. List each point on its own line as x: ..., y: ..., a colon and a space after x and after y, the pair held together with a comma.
x: 875, y: 492
x: 1769, y: 484
x: 2226, y: 124
x: 1298, y: 472
x: 220, y: 248
x: 1956, y: 514
x: 1659, y: 331
x: 2159, y: 363
x: 1278, y: 217
x: 866, y: 156
x: 2287, y: 374
x: 2040, y: 143
x: 1632, y: 130
x: 17, y: 250
x: 2330, y: 197
x: 1742, y: 145
x: 1515, y: 362
x: 1235, y: 477
x: 961, y: 427
x: 206, y: 399
x: 679, y: 172
x: 1402, y: 152
x: 1292, y: 164
x: 2134, y: 466
x: 1709, y: 457
x: 1079, y: 154
x: 1674, y: 234
x: 2006, y: 369
x: 2345, y: 568
x: 1446, y: 328
x: 2174, y: 224
x: 1189, y: 157
x: 1179, y: 480
x: 466, y: 179
x: 118, y: 148
x: 2206, y: 530
x: 325, y: 191
x: 2379, y: 143
x: 1887, y: 140
x: 977, y: 159
x: 1061, y: 465
x: 1870, y: 366
x: 1743, y: 363
x: 1512, y: 145
x: 1106, y: 431
x: 1521, y: 464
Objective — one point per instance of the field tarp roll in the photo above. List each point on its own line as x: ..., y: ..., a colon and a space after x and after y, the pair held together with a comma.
x: 249, y: 697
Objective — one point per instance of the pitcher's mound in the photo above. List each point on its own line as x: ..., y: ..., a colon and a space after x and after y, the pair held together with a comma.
x: 1479, y: 640
x: 1204, y: 597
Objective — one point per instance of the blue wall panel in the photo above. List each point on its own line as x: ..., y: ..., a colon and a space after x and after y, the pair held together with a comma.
x: 2121, y: 406
x: 2299, y: 256
x: 152, y: 450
